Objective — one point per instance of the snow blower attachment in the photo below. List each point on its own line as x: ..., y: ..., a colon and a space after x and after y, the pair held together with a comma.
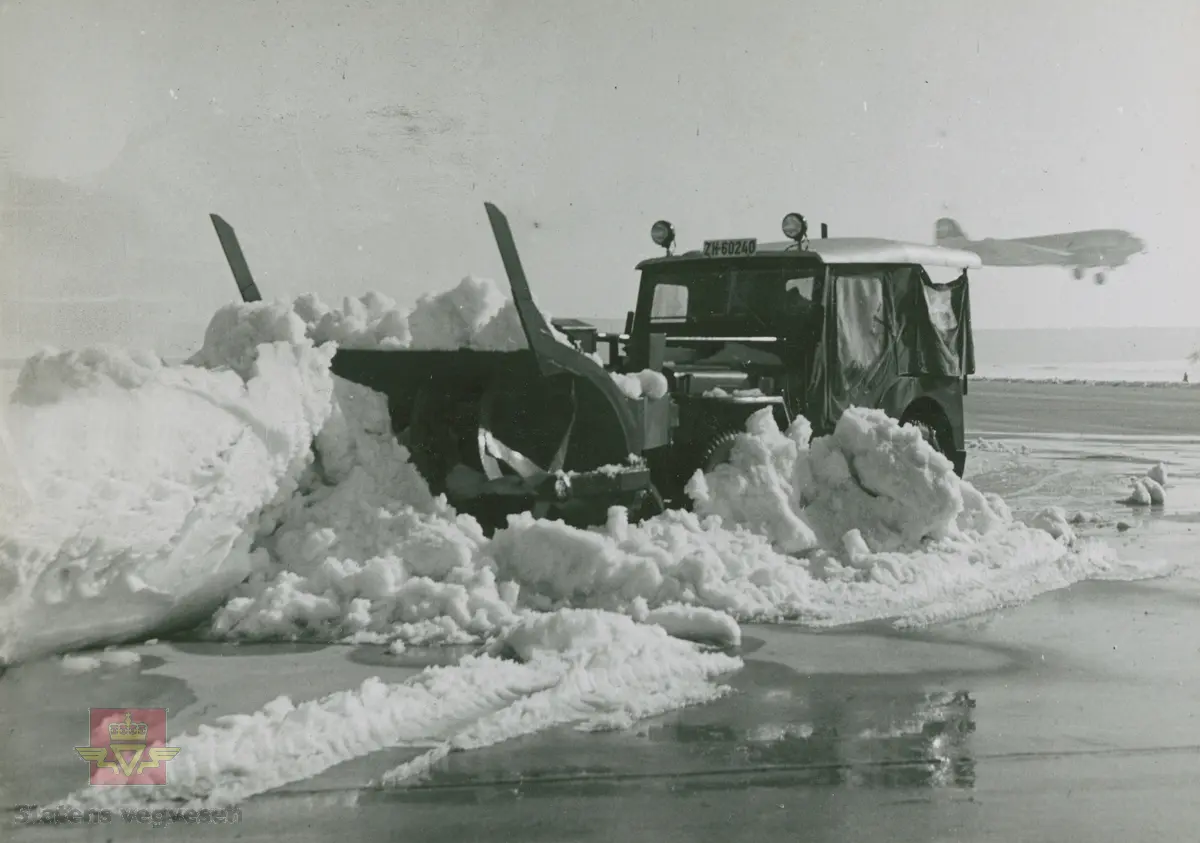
x: 796, y: 328
x: 543, y: 429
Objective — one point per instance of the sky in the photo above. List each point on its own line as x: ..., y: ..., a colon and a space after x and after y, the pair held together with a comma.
x: 352, y: 145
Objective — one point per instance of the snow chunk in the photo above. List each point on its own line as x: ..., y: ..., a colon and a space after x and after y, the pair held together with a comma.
x: 646, y: 383
x: 1158, y: 473
x: 370, y: 321
x: 1146, y: 492
x: 1053, y: 519
x: 762, y: 484
x: 237, y: 331
x: 110, y: 658
x: 695, y: 623
x: 454, y: 318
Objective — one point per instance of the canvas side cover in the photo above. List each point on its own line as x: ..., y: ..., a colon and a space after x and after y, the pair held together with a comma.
x: 933, y: 323
x: 883, y: 322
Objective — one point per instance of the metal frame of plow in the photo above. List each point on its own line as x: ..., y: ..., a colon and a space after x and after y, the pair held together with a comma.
x: 236, y: 260
x: 553, y: 357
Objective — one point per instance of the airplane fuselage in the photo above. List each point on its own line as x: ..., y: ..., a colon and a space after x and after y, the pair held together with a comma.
x: 1096, y: 248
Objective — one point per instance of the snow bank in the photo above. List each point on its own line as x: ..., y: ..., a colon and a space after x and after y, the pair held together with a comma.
x: 475, y: 314
x: 593, y: 670
x: 147, y: 485
x: 867, y: 523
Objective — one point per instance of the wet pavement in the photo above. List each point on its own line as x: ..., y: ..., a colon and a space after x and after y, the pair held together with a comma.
x: 1071, y: 717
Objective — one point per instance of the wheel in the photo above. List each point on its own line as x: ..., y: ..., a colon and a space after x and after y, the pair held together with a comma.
x: 1101, y: 277
x: 718, y: 450
x: 689, y: 459
x: 938, y: 437
x: 1077, y: 271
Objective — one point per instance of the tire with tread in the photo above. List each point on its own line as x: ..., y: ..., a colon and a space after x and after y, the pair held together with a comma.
x: 935, y: 434
x: 712, y: 451
x: 717, y: 450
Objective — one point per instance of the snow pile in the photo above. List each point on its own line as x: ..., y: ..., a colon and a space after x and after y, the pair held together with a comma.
x: 365, y: 551
x: 866, y: 523
x: 147, y: 486
x: 475, y: 314
x: 1158, y: 473
x: 1148, y: 490
x: 593, y: 670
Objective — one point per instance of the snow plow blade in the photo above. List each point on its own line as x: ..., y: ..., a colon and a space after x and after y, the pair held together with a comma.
x: 542, y: 429
x: 500, y: 432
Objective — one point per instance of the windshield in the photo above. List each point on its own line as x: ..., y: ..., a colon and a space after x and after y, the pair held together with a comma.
x: 756, y: 295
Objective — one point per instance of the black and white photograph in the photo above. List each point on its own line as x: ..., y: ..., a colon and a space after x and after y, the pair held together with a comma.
x: 635, y: 420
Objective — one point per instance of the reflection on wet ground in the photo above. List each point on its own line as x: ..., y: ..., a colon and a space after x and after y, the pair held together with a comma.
x: 777, y: 729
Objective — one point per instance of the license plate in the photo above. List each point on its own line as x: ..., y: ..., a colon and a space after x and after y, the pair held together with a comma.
x: 730, y: 248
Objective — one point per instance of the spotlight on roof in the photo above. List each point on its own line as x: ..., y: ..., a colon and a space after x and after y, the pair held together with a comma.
x: 663, y: 234
x: 795, y: 227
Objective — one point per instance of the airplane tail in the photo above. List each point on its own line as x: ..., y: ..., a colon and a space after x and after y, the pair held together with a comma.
x: 948, y: 229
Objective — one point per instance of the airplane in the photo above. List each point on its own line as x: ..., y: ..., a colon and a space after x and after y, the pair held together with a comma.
x: 1100, y: 249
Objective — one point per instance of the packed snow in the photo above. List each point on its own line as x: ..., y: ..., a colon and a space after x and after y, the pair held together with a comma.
x: 148, y: 487
x: 590, y: 669
x: 1055, y: 521
x: 252, y: 492
x: 648, y: 383
x: 85, y: 663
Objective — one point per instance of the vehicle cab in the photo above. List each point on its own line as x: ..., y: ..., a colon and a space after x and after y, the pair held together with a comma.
x: 806, y: 327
